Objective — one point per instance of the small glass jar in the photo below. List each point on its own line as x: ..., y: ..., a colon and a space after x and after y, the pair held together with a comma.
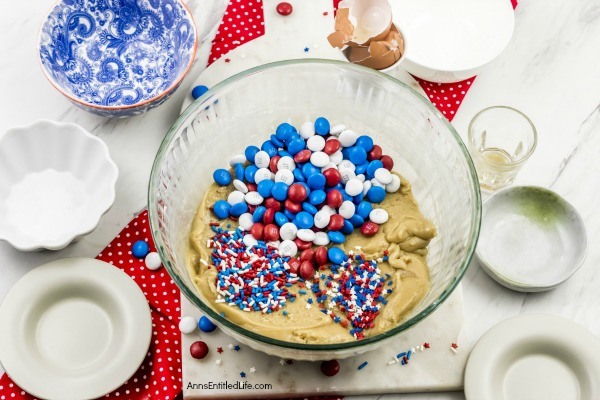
x: 500, y: 140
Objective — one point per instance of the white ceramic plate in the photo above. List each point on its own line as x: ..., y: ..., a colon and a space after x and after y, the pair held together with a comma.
x: 534, y: 357
x: 531, y: 239
x: 449, y: 41
x: 74, y: 329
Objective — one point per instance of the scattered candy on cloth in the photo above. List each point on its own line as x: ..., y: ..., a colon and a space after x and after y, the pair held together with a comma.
x: 159, y: 376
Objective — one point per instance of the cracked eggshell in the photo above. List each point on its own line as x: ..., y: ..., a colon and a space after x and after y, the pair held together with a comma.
x: 359, y: 22
x: 381, y: 55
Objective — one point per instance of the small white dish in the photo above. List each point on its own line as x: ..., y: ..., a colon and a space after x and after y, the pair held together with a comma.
x: 531, y: 239
x: 56, y: 181
x: 534, y: 357
x: 74, y: 329
x: 451, y: 41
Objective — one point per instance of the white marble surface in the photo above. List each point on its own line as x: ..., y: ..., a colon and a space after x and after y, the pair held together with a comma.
x: 549, y: 70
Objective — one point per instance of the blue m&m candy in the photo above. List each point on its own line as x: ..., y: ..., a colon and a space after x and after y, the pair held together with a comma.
x: 279, y: 191
x: 221, y: 209
x: 336, y: 255
x: 269, y: 147
x: 309, y: 208
x: 278, y: 143
x: 376, y: 194
x: 357, y: 155
x: 239, y: 171
x: 308, y: 169
x: 199, y: 91
x: 290, y: 215
x: 250, y: 172
x: 280, y: 218
x: 265, y: 187
x: 284, y: 131
x: 364, y: 209
x: 316, y: 181
x: 356, y: 220
x: 372, y: 167
x: 222, y: 177
x: 361, y: 168
x: 317, y: 197
x: 140, y: 249
x: 238, y: 209
x: 322, y: 126
x: 206, y: 325
x: 296, y: 145
x: 304, y: 220
x: 250, y: 152
x: 258, y: 213
x: 298, y: 175
x: 336, y: 237
x: 347, y: 228
x: 365, y: 142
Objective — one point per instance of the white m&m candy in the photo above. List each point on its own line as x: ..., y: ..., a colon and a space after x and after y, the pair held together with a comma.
x: 286, y: 162
x: 305, y: 234
x: 347, y: 174
x: 347, y: 138
x: 288, y: 231
x: 319, y: 159
x: 236, y: 197
x: 315, y: 143
x: 337, y: 129
x: 262, y: 174
x: 337, y: 157
x: 383, y: 175
x: 249, y: 240
x: 284, y: 175
x: 347, y: 209
x: 307, y: 130
x: 322, y: 218
x: 347, y: 164
x: 354, y: 187
x: 379, y: 216
x: 253, y: 198
x: 237, y: 159
x: 288, y: 248
x: 245, y: 221
x: 394, y: 185
x: 321, y: 239
x: 239, y: 185
x: 262, y: 159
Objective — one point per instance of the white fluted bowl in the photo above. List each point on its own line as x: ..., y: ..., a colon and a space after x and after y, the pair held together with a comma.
x: 56, y: 181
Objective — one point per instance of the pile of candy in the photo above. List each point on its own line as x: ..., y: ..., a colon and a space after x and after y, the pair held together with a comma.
x: 311, y: 186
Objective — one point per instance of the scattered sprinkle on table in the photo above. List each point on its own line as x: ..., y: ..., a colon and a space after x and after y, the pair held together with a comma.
x: 236, y: 347
x: 361, y: 366
x: 218, y: 362
x: 306, y: 49
x: 243, y: 374
x: 230, y: 346
x: 281, y: 361
x: 219, y: 350
x: 252, y: 370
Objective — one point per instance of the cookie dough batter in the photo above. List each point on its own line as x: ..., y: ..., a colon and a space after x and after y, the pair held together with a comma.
x: 405, y: 236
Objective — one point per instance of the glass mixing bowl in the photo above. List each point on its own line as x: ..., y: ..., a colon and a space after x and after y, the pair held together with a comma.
x: 247, y: 107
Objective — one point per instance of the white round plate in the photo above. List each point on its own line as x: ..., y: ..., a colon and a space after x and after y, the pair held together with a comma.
x: 449, y: 41
x: 534, y: 357
x: 74, y: 329
x: 531, y: 239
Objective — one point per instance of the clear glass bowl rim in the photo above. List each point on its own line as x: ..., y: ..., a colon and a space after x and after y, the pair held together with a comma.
x: 191, y: 296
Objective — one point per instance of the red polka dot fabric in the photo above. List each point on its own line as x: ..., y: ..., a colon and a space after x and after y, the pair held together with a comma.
x: 159, y: 376
x: 242, y: 22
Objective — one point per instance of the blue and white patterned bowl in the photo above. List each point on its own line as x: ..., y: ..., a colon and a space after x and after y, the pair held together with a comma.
x: 117, y: 58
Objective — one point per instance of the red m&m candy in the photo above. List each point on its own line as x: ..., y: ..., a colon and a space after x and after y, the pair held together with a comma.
x: 330, y: 368
x: 284, y: 8
x: 331, y: 146
x: 257, y: 231
x: 375, y: 153
x: 369, y: 228
x: 292, y: 207
x: 388, y: 162
x: 302, y: 245
x: 334, y: 198
x: 294, y: 264
x: 272, y: 203
x: 336, y: 222
x: 273, y: 164
x: 307, y: 270
x: 321, y: 255
x: 302, y: 156
x: 271, y: 233
x: 307, y: 255
x: 297, y: 193
x: 268, y: 216
x: 332, y: 176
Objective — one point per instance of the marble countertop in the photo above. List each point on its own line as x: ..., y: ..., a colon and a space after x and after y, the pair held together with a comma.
x: 549, y: 71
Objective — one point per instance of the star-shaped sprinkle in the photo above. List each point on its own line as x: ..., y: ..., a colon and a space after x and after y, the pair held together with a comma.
x: 306, y: 49
x: 454, y: 346
x: 252, y: 370
x: 219, y: 350
x: 325, y: 14
x: 230, y: 346
x: 281, y: 361
x: 236, y: 347
x: 289, y: 362
x: 243, y: 374
x: 227, y: 60
x: 308, y: 306
x: 426, y: 345
x: 218, y: 362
